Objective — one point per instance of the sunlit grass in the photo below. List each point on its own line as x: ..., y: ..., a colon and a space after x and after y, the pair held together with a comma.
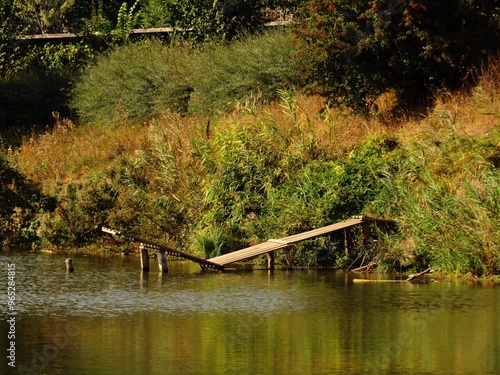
x: 441, y: 183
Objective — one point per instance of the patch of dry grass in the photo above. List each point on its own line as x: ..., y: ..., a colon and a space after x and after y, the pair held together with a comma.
x: 68, y: 152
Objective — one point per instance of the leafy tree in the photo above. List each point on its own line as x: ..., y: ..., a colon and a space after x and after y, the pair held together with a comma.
x: 353, y: 51
x: 42, y: 16
x: 203, y: 20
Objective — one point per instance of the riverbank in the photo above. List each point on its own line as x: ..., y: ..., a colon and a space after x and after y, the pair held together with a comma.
x: 214, y: 184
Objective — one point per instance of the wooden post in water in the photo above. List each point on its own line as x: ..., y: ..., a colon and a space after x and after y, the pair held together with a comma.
x: 288, y: 257
x: 144, y: 258
x: 347, y: 241
x: 162, y: 262
x: 69, y: 265
x: 270, y: 260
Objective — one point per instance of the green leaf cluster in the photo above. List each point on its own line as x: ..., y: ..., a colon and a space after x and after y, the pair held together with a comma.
x: 354, y: 51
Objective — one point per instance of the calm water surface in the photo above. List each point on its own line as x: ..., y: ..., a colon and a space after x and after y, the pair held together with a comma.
x: 109, y: 318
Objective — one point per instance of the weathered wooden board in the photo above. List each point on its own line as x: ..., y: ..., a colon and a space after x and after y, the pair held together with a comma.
x: 277, y: 244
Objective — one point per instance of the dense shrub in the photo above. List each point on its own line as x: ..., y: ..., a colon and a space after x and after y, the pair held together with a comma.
x: 82, y: 207
x: 20, y: 205
x: 204, y: 20
x: 353, y: 51
x: 125, y: 85
x: 251, y: 68
x: 258, y: 187
x: 445, y: 196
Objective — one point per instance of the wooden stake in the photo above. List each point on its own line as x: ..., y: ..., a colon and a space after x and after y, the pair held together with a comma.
x: 162, y: 262
x: 69, y: 265
x: 144, y: 258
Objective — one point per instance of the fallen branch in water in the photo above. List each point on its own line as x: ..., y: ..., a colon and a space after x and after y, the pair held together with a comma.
x: 365, y: 267
x: 414, y: 276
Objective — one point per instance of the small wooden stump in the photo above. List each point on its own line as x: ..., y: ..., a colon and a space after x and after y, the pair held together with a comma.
x: 69, y: 265
x: 162, y: 262
x: 144, y: 258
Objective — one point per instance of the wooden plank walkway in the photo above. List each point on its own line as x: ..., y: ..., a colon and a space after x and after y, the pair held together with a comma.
x: 204, y: 264
x: 268, y: 247
x: 277, y: 244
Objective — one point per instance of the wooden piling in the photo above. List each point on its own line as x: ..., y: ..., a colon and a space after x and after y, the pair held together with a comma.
x: 366, y: 233
x: 289, y: 257
x: 69, y: 265
x: 162, y: 262
x: 270, y: 260
x: 144, y: 258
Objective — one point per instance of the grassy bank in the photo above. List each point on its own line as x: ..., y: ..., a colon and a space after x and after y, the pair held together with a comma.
x: 212, y: 183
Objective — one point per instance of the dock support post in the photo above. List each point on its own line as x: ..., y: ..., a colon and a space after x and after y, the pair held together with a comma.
x: 289, y: 257
x: 162, y: 262
x: 347, y: 241
x: 366, y: 233
x: 144, y: 258
x: 270, y: 260
x: 69, y: 265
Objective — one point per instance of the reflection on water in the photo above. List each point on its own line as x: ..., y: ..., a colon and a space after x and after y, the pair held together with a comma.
x: 110, y: 318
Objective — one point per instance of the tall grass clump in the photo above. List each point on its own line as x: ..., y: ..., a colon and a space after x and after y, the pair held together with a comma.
x: 445, y: 197
x: 266, y: 181
x: 140, y: 81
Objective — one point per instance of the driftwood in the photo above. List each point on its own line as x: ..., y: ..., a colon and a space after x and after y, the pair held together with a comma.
x: 365, y: 267
x: 415, y: 276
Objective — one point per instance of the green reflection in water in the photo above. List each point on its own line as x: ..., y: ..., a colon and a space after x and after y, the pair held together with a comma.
x: 108, y: 318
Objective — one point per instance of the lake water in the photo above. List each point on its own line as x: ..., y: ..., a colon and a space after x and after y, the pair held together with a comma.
x: 109, y: 318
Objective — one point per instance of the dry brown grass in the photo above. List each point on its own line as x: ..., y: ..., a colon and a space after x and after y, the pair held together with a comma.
x: 68, y: 152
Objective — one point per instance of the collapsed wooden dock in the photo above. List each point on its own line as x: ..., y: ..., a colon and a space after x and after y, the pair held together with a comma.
x: 268, y: 247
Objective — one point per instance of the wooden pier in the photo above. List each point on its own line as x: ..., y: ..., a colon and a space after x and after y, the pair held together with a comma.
x: 146, y: 245
x: 268, y: 247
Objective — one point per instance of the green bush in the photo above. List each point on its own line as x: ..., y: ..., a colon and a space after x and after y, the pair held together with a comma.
x: 204, y: 20
x: 21, y: 203
x: 258, y: 187
x: 137, y: 82
x: 124, y: 85
x: 353, y: 51
x: 82, y: 207
x: 251, y: 67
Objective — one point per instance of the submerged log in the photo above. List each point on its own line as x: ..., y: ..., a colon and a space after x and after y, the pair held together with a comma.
x: 376, y: 281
